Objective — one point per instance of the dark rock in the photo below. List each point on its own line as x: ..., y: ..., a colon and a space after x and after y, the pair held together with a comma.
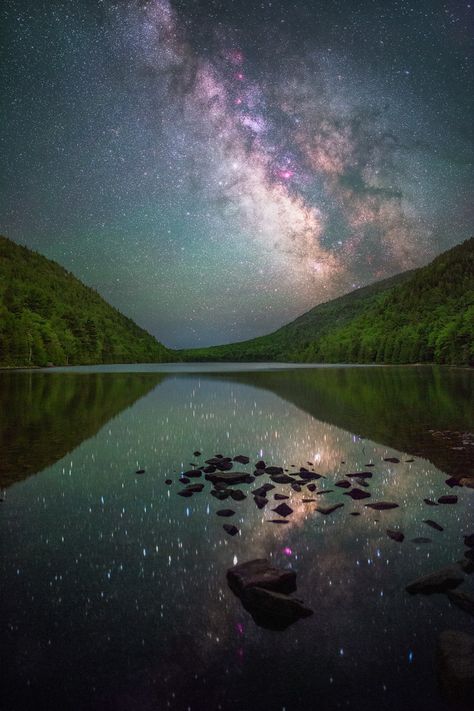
x: 220, y: 456
x: 437, y: 582
x: 395, y: 535
x: 168, y: 481
x: 230, y: 529
x: 382, y: 506
x: 185, y: 492
x: 281, y: 479
x: 469, y: 540
x: 354, y: 513
x: 224, y: 466
x: 273, y: 610
x: 225, y: 512
x: 430, y: 503
x: 242, y: 459
x: 448, y: 499
x: 197, y: 453
x: 453, y: 482
x: 283, y: 510
x: 140, y: 471
x: 209, y: 470
x: 360, y: 475
x: 357, y: 494
x: 194, y: 488
x: 274, y: 470
x: 193, y: 473
x: 231, y: 477
x: 309, y: 476
x: 261, y: 501
x: 433, y: 524
x: 369, y: 465
x: 420, y: 539
x: 297, y: 487
x: 260, y: 465
x: 237, y: 494
x: 455, y: 667
x: 311, y: 487
x: 276, y: 520
x: 309, y: 501
x: 394, y: 460
x: 262, y: 490
x: 280, y: 497
x: 463, y: 600
x: 258, y: 472
x: 259, y: 573
x: 328, y: 509
x: 220, y: 494
x: 184, y: 480
x: 362, y: 482
x: 469, y: 554
x: 343, y: 484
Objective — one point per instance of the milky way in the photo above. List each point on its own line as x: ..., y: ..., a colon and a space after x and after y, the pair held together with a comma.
x: 215, y: 170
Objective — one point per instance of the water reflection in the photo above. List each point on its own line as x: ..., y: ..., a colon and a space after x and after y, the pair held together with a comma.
x: 115, y: 594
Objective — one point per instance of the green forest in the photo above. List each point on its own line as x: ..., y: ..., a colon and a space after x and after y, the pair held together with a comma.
x: 422, y: 316
x: 48, y: 317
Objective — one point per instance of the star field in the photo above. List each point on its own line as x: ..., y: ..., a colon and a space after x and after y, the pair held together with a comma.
x: 214, y: 169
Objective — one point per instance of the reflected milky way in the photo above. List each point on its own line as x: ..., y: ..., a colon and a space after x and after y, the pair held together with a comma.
x: 111, y: 577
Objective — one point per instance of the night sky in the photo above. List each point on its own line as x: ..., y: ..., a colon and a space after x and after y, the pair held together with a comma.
x: 216, y: 168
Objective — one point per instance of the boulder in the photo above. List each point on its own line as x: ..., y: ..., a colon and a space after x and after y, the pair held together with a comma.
x: 274, y: 470
x: 329, y: 509
x: 448, y: 499
x: 260, y: 465
x: 343, y: 484
x: 262, y: 490
x: 297, y: 487
x: 231, y: 477
x: 395, y: 535
x: 242, y: 459
x: 433, y: 524
x: 283, y: 510
x: 197, y: 453
x: 280, y: 497
x: 272, y: 610
x: 260, y: 501
x: 230, y: 529
x: 225, y: 512
x: 260, y: 573
x: 311, y: 487
x: 360, y: 475
x: 281, y: 479
x: 357, y: 494
x: 437, y: 582
x: 192, y: 473
x: 382, y: 505
x: 237, y: 494
x: 220, y: 494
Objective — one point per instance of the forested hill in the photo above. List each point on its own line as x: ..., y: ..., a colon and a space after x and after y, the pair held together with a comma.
x: 426, y: 315
x: 47, y: 316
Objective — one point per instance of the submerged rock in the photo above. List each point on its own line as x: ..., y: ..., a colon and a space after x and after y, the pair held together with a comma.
x: 260, y: 465
x: 140, y: 471
x: 220, y: 494
x: 430, y: 502
x: 329, y: 509
x: 192, y: 473
x: 280, y: 497
x: 455, y: 666
x: 437, y: 582
x: 230, y: 529
x: 395, y: 535
x: 382, y: 506
x: 262, y: 490
x: 237, y: 495
x: 297, y: 487
x: 183, y: 480
x: 283, y: 510
x: 433, y: 524
x: 168, y: 481
x: 274, y: 470
x: 310, y: 487
x: 393, y: 460
x: 276, y: 520
x: 197, y: 453
x: 362, y: 482
x: 231, y: 477
x: 360, y: 475
x: 281, y: 479
x: 343, y: 484
x: 225, y: 512
x: 448, y: 499
x: 260, y: 501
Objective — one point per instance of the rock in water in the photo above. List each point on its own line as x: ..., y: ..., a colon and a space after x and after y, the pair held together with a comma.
x: 264, y: 593
x: 448, y: 499
x: 140, y: 471
x: 395, y: 535
x: 328, y: 509
x: 260, y: 501
x: 382, y: 506
x: 260, y: 465
x: 429, y: 502
x: 360, y: 475
x: 455, y: 666
x: 242, y: 459
x: 230, y: 529
x: 197, y: 453
x: 281, y: 479
x: 225, y: 512
x: 393, y: 460
x: 231, y: 477
x: 433, y: 524
x: 357, y: 494
x: 462, y: 599
x: 343, y: 484
x: 280, y: 497
x: 273, y: 470
x: 262, y: 490
x: 438, y: 582
x: 237, y: 494
x: 283, y: 510
x: 259, y: 573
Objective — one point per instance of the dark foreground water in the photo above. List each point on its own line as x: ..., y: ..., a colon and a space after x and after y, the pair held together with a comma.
x: 114, y: 594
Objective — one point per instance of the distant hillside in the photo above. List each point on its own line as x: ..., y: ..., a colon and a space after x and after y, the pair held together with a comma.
x: 49, y: 316
x: 426, y: 315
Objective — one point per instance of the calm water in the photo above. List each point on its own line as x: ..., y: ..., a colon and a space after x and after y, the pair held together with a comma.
x: 114, y: 589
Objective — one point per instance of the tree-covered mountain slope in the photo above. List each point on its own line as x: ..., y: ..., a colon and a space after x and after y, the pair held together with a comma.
x: 426, y: 315
x: 47, y: 316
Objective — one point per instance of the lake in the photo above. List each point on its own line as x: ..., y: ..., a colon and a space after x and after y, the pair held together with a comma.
x: 114, y: 587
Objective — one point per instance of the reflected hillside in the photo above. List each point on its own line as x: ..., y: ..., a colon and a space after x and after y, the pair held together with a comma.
x: 43, y: 416
x: 395, y: 406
